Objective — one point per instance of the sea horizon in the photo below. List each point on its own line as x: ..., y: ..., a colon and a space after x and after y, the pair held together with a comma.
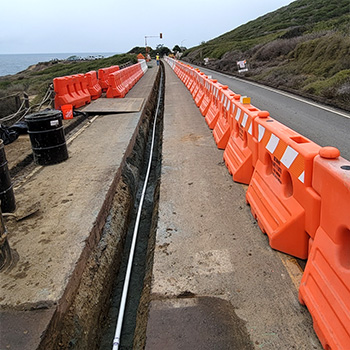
x: 13, y: 63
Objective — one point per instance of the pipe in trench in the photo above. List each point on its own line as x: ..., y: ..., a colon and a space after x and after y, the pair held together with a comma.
x: 116, y: 341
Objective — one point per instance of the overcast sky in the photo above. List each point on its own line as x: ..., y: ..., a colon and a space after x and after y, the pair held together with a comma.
x: 46, y: 26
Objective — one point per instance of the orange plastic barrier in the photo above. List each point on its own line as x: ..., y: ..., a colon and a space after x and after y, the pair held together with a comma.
x: 221, y: 131
x: 215, y: 106
x: 72, y: 90
x: 241, y: 152
x: 325, y: 286
x: 93, y: 86
x: 194, y: 86
x: 200, y: 94
x: 121, y: 81
x: 103, y: 76
x: 116, y: 87
x: 182, y: 73
x: 189, y: 81
x: 81, y: 87
x: 280, y: 192
x: 204, y: 107
x: 187, y: 75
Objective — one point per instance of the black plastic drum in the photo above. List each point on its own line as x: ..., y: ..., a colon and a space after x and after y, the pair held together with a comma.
x: 46, y: 134
x: 7, y: 198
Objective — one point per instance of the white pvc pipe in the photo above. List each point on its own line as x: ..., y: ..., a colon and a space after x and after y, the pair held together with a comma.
x: 118, y: 330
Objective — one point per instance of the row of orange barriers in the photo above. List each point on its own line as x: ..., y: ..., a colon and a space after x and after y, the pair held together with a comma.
x: 121, y: 81
x: 79, y: 89
x: 298, y: 192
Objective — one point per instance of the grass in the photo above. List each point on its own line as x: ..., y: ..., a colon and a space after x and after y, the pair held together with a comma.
x: 308, y: 16
x: 328, y: 87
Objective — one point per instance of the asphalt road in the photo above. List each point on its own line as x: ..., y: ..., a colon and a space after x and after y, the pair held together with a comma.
x: 322, y: 124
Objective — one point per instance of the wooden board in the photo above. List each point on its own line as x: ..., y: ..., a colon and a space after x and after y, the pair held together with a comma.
x: 114, y: 105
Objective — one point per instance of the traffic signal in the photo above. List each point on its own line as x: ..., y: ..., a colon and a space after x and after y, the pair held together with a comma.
x: 161, y: 35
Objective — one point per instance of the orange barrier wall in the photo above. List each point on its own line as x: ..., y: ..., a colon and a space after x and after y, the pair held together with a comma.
x: 78, y: 90
x: 189, y: 81
x: 325, y: 286
x: 241, y: 152
x: 103, y: 76
x: 280, y: 192
x: 205, y: 105
x: 116, y: 87
x: 215, y: 106
x: 195, y: 82
x: 121, y: 81
x: 93, y: 86
x: 72, y: 90
x: 301, y: 200
x: 200, y: 94
x: 222, y: 129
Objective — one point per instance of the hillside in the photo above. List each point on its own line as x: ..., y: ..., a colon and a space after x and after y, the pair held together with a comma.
x: 303, y: 47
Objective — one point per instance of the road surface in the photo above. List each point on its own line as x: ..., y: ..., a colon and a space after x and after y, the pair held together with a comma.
x: 322, y: 124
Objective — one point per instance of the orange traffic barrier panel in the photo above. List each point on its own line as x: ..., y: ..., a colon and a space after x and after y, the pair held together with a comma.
x: 126, y: 78
x: 197, y: 85
x: 176, y: 68
x: 190, y: 78
x: 204, y: 107
x: 62, y: 95
x: 121, y: 81
x: 116, y: 87
x: 179, y: 69
x: 215, y: 107
x: 182, y: 72
x: 93, y: 86
x: 194, y: 84
x: 221, y: 131
x: 280, y: 195
x: 241, y: 152
x: 72, y: 90
x: 81, y: 89
x: 200, y: 94
x: 186, y: 75
x: 325, y: 286
x: 103, y: 76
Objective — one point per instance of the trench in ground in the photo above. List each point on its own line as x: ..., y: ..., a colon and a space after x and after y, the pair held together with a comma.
x: 134, y: 326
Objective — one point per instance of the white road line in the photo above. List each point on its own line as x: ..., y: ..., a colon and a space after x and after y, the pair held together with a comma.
x: 285, y: 94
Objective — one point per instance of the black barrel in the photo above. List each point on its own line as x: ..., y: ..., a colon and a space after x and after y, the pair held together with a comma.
x: 46, y: 134
x: 7, y: 197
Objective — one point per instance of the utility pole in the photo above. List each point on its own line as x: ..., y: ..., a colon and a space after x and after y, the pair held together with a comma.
x: 151, y: 36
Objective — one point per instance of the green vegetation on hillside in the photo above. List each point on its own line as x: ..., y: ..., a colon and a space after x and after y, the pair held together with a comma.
x: 304, y: 47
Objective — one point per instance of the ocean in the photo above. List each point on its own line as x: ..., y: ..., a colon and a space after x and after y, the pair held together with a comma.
x: 14, y: 63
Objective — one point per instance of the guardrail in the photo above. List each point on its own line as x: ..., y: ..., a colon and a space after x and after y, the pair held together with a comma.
x: 298, y: 192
